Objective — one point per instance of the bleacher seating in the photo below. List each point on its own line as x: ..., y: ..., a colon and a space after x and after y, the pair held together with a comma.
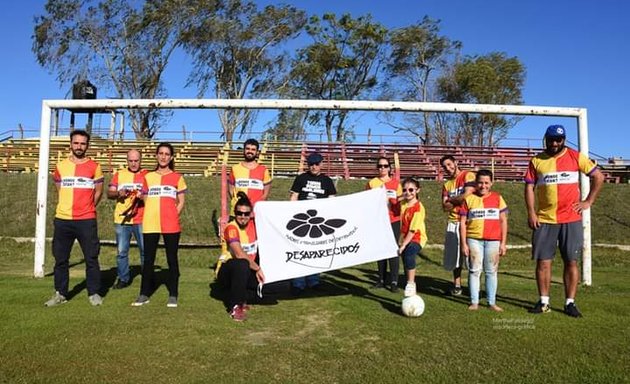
x: 287, y: 159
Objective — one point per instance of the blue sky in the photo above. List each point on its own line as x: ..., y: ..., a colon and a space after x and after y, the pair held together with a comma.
x: 576, y: 54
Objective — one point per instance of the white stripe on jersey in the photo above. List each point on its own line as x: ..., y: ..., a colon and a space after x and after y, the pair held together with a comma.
x: 162, y: 191
x: 562, y: 177
x: 77, y: 182
x: 484, y: 214
x: 249, y: 184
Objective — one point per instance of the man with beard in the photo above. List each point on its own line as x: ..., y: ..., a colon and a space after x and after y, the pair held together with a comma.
x: 557, y: 219
x: 79, y: 181
x: 249, y: 177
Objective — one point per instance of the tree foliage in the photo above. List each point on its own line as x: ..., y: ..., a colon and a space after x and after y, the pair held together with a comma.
x: 120, y: 47
x: 493, y: 78
x: 236, y: 52
x: 341, y: 64
x: 418, y: 53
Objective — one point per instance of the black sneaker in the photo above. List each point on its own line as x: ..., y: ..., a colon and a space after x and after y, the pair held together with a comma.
x: 540, y: 308
x: 120, y: 284
x: 456, y: 291
x: 378, y: 284
x: 572, y: 310
x: 393, y: 287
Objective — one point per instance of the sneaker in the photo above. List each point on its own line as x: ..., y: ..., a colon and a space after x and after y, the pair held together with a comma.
x: 120, y: 284
x: 540, y: 308
x: 237, y: 313
x: 393, y: 287
x: 572, y: 310
x: 140, y: 301
x: 95, y: 299
x: 410, y: 289
x: 57, y: 299
x: 378, y: 284
x: 172, y: 302
x: 456, y: 291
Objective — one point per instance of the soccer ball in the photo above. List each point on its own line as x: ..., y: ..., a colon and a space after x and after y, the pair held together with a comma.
x: 413, y: 306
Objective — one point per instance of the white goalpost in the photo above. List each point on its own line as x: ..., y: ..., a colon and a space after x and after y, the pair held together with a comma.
x: 48, y: 106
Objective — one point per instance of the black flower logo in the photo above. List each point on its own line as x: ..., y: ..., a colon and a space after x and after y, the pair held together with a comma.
x: 312, y: 225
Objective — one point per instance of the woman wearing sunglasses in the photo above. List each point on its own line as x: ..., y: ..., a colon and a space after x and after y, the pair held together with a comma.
x: 240, y: 270
x: 414, y: 232
x: 163, y: 192
x: 393, y: 192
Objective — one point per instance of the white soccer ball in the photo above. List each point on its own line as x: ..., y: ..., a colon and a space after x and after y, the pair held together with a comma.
x: 413, y: 306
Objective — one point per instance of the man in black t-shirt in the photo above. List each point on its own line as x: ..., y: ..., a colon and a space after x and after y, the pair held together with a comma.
x: 311, y: 185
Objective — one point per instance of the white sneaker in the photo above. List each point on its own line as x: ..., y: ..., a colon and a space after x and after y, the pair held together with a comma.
x: 172, y: 302
x: 57, y: 299
x: 410, y: 289
x: 95, y: 299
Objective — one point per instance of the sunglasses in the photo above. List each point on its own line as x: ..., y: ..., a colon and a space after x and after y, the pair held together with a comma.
x: 382, y: 166
x: 409, y: 190
x: 242, y: 213
x: 311, y: 164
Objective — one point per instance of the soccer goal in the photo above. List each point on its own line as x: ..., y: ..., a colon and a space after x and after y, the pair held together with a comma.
x: 48, y: 106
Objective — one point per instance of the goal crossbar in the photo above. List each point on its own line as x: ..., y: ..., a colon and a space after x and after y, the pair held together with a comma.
x: 354, y: 105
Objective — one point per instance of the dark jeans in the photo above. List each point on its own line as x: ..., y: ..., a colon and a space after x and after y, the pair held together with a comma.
x: 237, y: 277
x: 86, y: 233
x: 394, y: 262
x: 171, y: 246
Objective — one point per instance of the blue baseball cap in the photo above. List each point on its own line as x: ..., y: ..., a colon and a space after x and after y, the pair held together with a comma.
x: 314, y: 158
x: 555, y: 130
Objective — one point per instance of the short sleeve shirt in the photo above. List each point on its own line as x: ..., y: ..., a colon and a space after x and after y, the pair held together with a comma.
x: 556, y: 180
x: 310, y: 187
x: 160, y: 205
x: 77, y: 184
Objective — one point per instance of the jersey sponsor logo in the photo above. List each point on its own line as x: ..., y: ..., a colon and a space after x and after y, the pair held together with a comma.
x: 77, y: 182
x: 249, y: 184
x: 250, y: 248
x: 391, y: 194
x: 130, y: 186
x: 162, y: 191
x: 456, y: 192
x: 483, y: 214
x: 562, y: 177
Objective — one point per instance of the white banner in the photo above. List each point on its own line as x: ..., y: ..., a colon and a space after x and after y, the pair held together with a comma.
x: 300, y: 238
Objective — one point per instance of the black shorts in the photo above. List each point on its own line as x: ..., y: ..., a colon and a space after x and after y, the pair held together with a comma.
x: 568, y: 237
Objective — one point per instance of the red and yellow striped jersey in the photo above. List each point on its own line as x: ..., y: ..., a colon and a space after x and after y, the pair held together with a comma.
x: 393, y: 189
x: 483, y: 215
x: 245, y: 236
x: 131, y: 181
x: 76, y: 184
x: 556, y: 180
x: 160, y: 205
x: 412, y: 219
x: 250, y: 181
x: 455, y: 187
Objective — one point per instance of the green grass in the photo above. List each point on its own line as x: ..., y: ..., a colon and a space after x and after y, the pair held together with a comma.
x: 350, y: 334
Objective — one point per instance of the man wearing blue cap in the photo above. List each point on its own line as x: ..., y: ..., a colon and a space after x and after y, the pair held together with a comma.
x: 310, y: 185
x: 552, y: 179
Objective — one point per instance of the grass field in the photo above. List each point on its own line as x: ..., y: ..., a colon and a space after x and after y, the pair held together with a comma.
x: 347, y: 334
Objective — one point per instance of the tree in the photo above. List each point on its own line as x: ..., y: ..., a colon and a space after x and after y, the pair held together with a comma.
x: 341, y: 64
x: 235, y: 51
x: 418, y: 54
x: 489, y: 79
x: 289, y: 126
x: 120, y: 47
